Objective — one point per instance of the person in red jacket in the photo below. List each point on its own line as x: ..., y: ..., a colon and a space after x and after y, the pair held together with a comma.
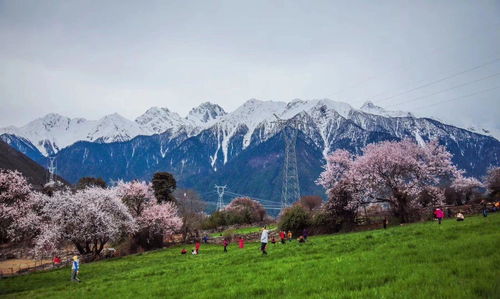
x: 56, y: 260
x: 439, y: 214
x: 197, y: 247
x: 282, y: 237
x: 225, y: 243
x: 242, y: 242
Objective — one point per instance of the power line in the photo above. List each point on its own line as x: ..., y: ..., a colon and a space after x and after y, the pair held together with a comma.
x: 440, y: 80
x: 445, y: 90
x: 459, y: 97
x: 252, y: 197
x: 401, y: 66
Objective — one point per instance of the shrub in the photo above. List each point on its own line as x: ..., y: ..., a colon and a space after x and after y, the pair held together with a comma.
x: 244, y: 210
x: 324, y: 222
x: 215, y: 220
x: 229, y: 234
x: 295, y: 219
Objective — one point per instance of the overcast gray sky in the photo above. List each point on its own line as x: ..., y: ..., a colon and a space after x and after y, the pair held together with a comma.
x: 92, y: 58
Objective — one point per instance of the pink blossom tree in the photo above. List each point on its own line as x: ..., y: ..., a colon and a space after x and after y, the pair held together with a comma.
x: 155, y: 221
x: 392, y: 172
x: 160, y: 219
x: 493, y: 182
x: 466, y: 186
x: 135, y: 195
x: 89, y: 219
x: 342, y: 187
x: 17, y: 220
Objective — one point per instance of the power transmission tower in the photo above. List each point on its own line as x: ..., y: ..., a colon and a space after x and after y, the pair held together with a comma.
x: 220, y: 192
x: 52, y: 170
x: 290, y: 189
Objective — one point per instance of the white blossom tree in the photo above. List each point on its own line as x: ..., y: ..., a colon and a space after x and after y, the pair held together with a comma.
x: 17, y: 204
x: 466, y: 186
x: 89, y: 219
x: 136, y: 195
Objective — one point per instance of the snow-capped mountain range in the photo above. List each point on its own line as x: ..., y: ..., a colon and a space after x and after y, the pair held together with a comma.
x: 243, y: 149
x: 53, y: 132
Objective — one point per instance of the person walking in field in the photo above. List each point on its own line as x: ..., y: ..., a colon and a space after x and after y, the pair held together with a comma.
x: 282, y: 237
x: 225, y: 243
x: 241, y: 242
x: 305, y: 234
x: 75, y: 269
x: 264, y: 237
x: 386, y: 221
x: 439, y: 215
x: 197, y: 247
x: 290, y: 235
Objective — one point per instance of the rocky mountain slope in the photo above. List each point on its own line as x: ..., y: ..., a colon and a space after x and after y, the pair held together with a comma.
x: 244, y: 148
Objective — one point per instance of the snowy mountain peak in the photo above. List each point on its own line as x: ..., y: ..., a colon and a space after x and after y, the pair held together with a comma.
x: 53, y: 132
x: 371, y: 108
x: 157, y: 120
x: 206, y: 112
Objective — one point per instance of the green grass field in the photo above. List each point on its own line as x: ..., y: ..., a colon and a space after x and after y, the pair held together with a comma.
x: 424, y: 260
x: 245, y: 231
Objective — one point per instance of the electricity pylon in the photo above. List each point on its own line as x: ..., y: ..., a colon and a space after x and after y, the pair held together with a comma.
x: 290, y: 189
x: 220, y: 192
x: 52, y: 170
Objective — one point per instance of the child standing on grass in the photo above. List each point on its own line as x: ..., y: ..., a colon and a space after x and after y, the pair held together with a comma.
x: 75, y: 269
x: 282, y: 237
x: 242, y: 242
x: 197, y: 247
x: 263, y: 240
x: 439, y: 215
x: 225, y: 243
x: 290, y: 236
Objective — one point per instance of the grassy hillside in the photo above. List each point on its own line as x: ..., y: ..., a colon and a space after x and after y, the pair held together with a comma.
x: 454, y: 260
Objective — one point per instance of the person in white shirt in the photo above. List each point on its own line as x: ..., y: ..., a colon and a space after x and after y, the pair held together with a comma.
x: 264, y: 239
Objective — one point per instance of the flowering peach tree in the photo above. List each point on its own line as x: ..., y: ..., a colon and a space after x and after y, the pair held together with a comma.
x: 393, y: 172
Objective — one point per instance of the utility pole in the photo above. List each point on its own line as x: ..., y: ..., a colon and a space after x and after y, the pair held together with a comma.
x: 52, y: 170
x: 290, y: 189
x: 220, y: 192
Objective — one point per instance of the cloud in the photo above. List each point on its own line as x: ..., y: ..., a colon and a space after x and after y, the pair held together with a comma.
x: 87, y: 59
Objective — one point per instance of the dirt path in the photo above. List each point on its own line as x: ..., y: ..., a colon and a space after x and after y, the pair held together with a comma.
x: 15, y: 265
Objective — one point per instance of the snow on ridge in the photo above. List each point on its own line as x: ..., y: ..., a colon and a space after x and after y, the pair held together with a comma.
x: 205, y: 114
x: 371, y: 108
x: 53, y: 131
x: 157, y: 120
